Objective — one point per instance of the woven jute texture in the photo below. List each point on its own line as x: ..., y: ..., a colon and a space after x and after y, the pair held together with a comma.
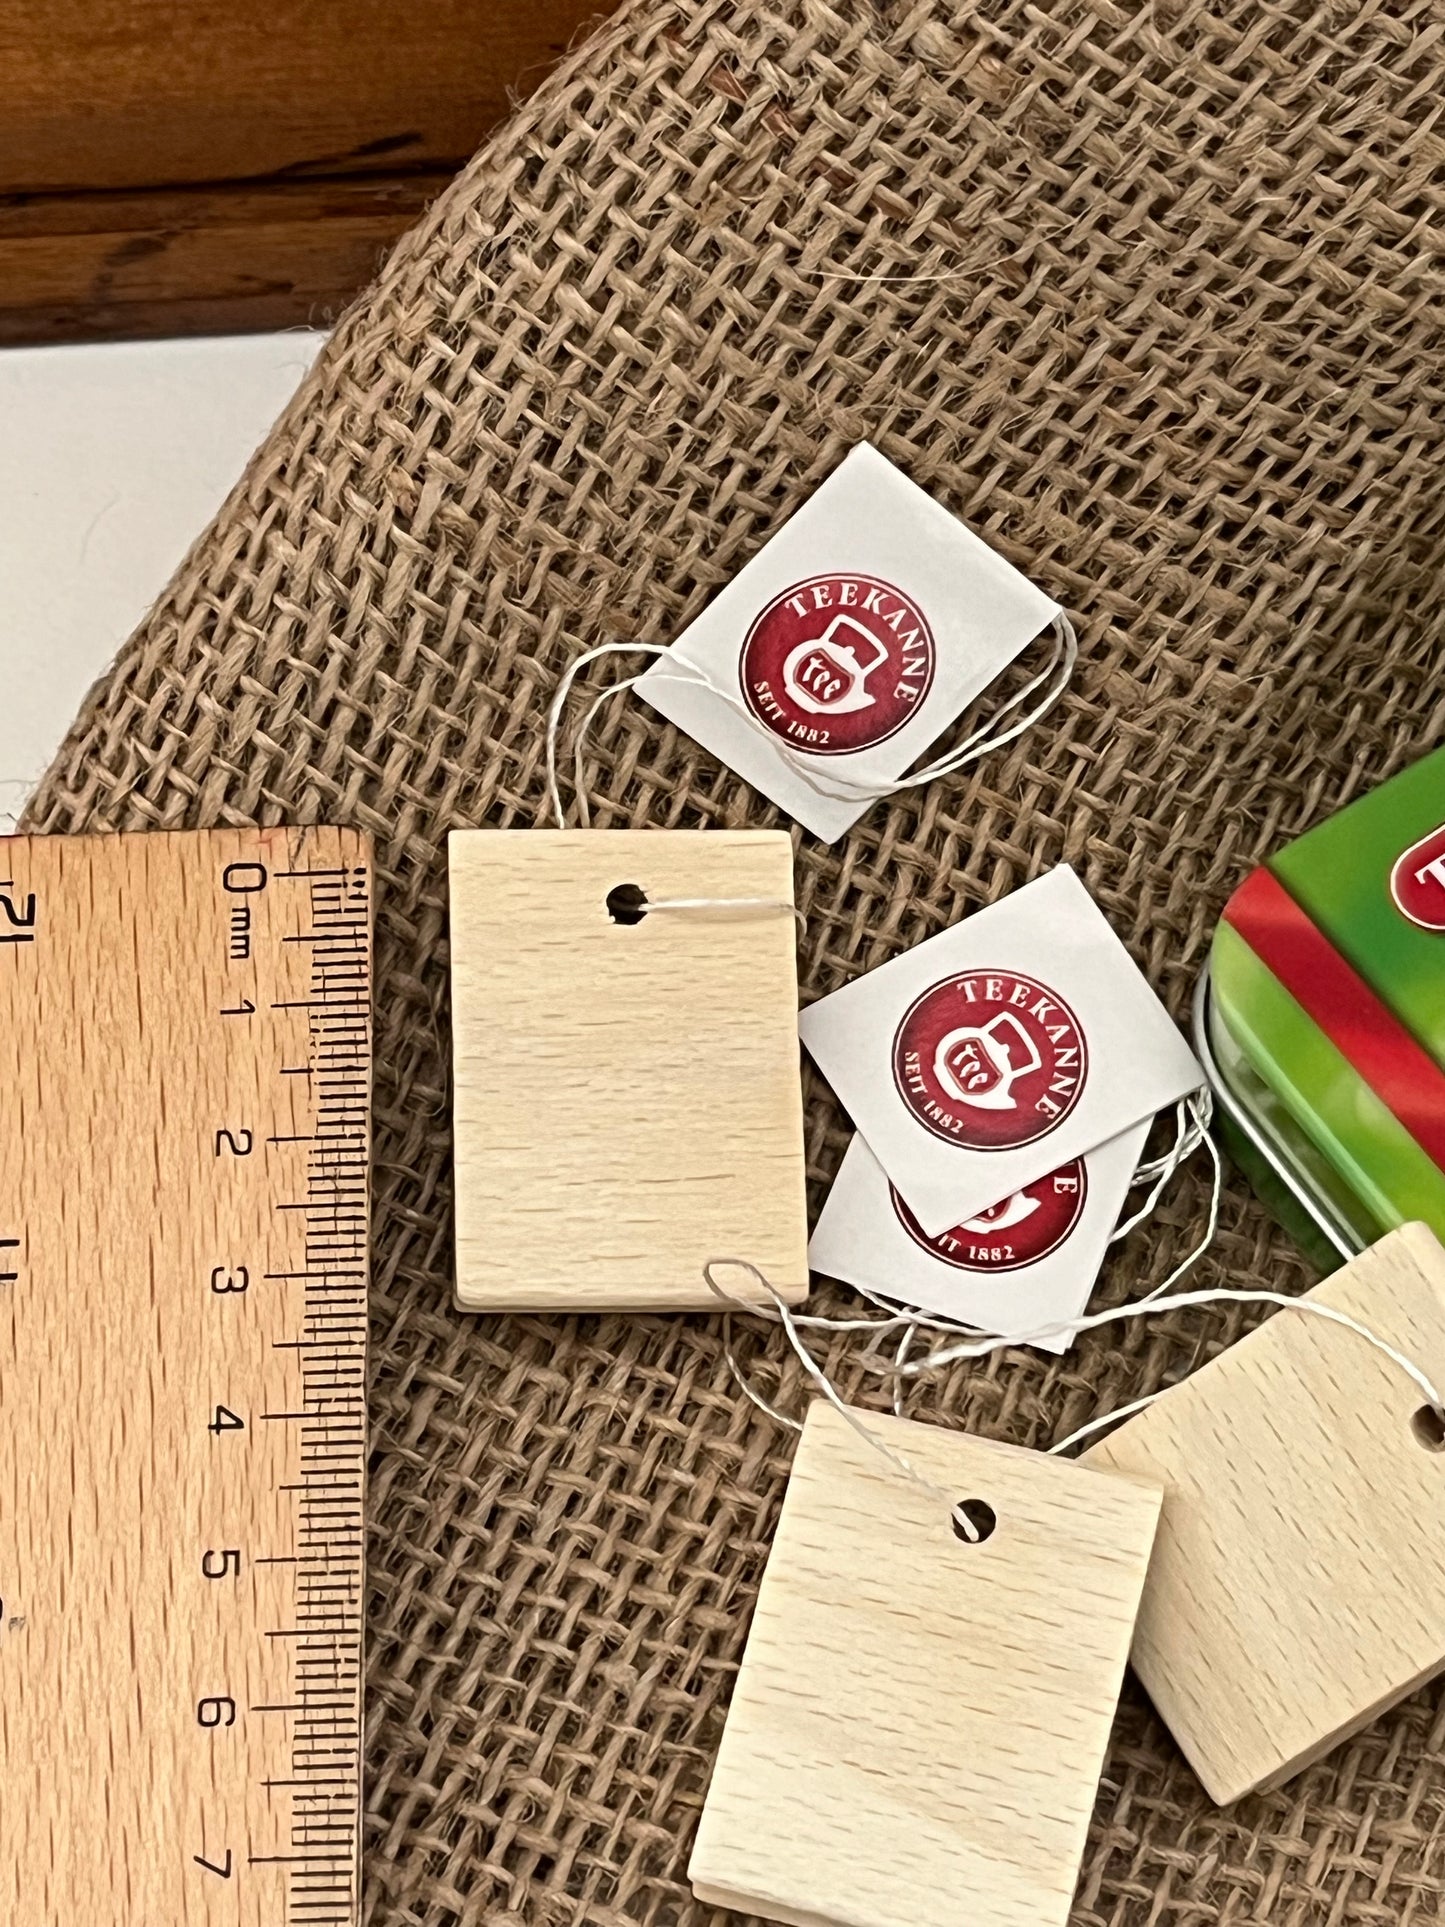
x: 1151, y: 296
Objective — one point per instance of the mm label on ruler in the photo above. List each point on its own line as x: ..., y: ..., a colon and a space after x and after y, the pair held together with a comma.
x: 185, y: 1076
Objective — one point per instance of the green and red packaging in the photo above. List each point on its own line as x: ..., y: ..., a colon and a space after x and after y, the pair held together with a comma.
x: 1326, y: 1015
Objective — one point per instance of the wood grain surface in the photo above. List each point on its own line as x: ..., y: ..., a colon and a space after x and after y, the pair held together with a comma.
x: 919, y: 1724
x: 158, y: 151
x: 203, y: 260
x: 1298, y: 1582
x: 628, y: 1099
x: 183, y: 1216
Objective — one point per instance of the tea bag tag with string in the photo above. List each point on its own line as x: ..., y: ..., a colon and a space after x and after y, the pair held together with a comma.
x: 1298, y: 1584
x: 995, y: 1052
x: 847, y: 645
x: 919, y: 1723
x: 627, y: 1097
x: 1029, y: 1259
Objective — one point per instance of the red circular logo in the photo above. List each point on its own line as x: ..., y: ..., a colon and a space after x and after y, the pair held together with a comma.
x: 837, y: 663
x: 1417, y: 881
x: 989, y: 1060
x: 1020, y: 1231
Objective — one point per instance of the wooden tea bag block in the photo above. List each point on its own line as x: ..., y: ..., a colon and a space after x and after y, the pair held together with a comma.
x: 919, y: 1723
x: 627, y: 1094
x: 1298, y: 1582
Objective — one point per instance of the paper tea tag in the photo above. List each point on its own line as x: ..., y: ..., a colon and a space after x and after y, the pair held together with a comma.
x: 866, y: 625
x: 999, y: 1050
x: 1026, y: 1261
x: 627, y: 1100
x: 1298, y: 1585
x: 919, y: 1723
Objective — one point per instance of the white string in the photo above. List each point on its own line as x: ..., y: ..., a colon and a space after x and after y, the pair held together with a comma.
x: 1184, y: 1299
x: 725, y: 904
x: 1191, y: 1121
x: 558, y: 703
x: 911, y: 1321
x: 1053, y: 679
x: 969, y: 1342
x: 844, y: 274
x: 916, y: 1321
x: 900, y: 1358
x: 554, y: 718
x: 644, y: 906
x: 961, y: 1521
x: 983, y: 1344
x: 793, y: 1324
x: 1192, y: 1117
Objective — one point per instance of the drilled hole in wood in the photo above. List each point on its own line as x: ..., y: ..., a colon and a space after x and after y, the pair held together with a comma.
x: 974, y: 1520
x: 626, y: 903
x: 1428, y: 1425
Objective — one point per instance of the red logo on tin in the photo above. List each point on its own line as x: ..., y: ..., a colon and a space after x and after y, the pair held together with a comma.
x: 1417, y: 882
x: 1020, y: 1231
x: 837, y: 663
x: 989, y: 1060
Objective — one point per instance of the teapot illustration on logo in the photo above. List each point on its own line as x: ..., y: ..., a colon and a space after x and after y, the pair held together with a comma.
x: 979, y: 1066
x: 1003, y: 1217
x: 828, y: 676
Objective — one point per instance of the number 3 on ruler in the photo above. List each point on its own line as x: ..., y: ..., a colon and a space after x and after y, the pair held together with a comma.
x: 20, y: 922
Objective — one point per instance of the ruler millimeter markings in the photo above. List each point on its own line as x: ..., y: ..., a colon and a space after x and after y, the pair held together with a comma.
x: 185, y: 1078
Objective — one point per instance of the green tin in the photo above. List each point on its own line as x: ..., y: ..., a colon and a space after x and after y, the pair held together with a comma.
x: 1322, y: 1019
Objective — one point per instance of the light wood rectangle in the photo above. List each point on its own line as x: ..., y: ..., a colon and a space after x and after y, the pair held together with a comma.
x: 184, y: 1106
x: 919, y: 1724
x: 1298, y: 1582
x: 627, y: 1097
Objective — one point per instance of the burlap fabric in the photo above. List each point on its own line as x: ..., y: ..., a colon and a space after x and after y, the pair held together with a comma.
x: 1152, y: 297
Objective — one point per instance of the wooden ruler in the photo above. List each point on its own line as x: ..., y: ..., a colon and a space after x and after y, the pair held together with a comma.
x: 184, y: 1108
